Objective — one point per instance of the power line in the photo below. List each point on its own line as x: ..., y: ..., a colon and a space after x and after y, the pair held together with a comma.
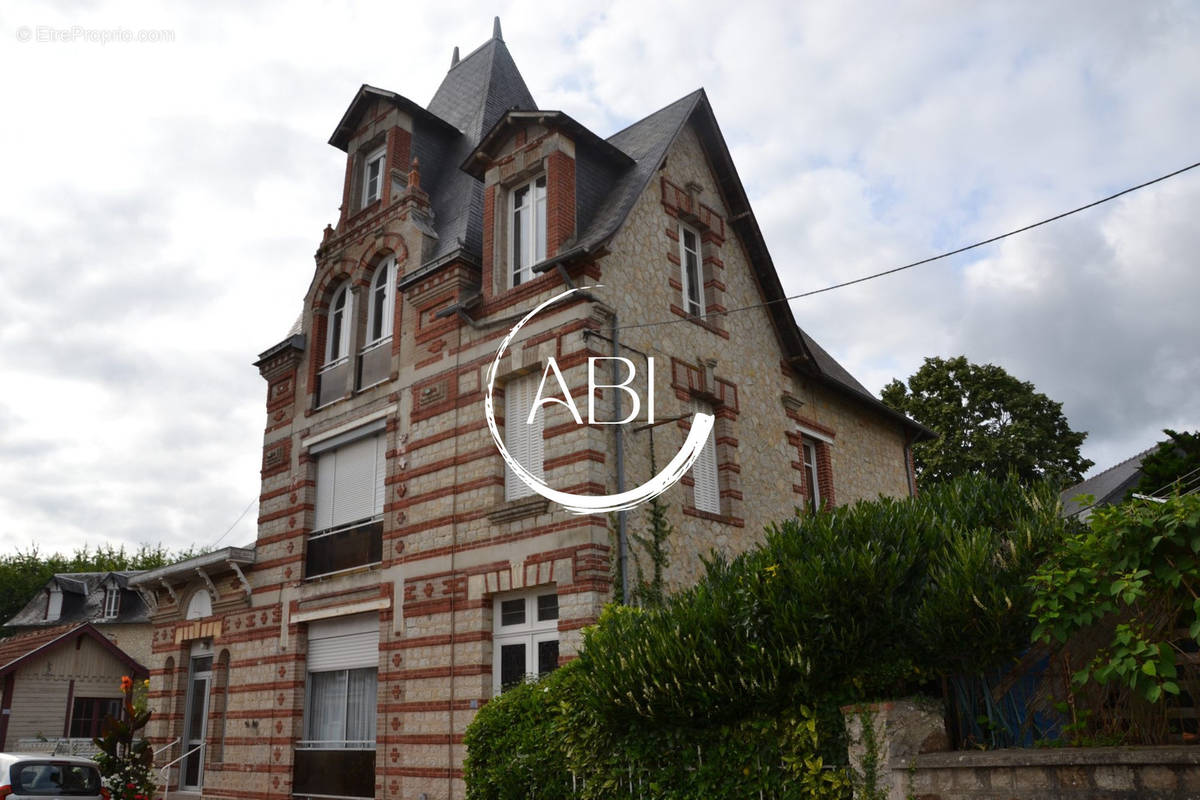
x: 931, y: 259
x: 245, y: 511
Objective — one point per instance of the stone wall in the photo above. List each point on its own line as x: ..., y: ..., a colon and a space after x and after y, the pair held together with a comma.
x: 894, y: 752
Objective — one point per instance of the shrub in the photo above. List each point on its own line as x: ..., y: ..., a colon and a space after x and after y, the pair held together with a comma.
x: 862, y: 602
x: 1122, y: 595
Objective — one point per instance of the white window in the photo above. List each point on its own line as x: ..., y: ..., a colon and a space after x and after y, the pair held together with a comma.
x: 522, y: 439
x: 527, y: 229
x: 373, y: 177
x: 381, y: 304
x: 337, y: 336
x: 199, y: 606
x: 690, y: 264
x: 525, y: 636
x: 348, y: 528
x: 810, y: 475
x: 341, y: 697
x: 53, y: 603
x: 112, y: 602
x: 350, y: 482
x: 706, y: 488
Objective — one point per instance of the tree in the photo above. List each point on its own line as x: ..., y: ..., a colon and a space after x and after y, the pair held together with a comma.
x: 1176, y: 458
x: 989, y: 423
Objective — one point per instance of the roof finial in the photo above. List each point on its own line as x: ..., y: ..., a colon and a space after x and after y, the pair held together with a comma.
x: 454, y: 58
x: 496, y: 30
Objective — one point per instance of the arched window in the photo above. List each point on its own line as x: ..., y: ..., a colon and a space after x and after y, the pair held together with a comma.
x: 200, y: 606
x: 382, y: 303
x: 337, y: 338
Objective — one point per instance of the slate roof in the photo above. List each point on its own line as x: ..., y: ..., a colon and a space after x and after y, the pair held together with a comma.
x: 475, y: 97
x: 83, y: 601
x: 1108, y: 487
x: 15, y: 650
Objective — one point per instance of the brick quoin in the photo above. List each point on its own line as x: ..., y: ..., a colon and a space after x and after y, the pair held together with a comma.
x: 560, y: 201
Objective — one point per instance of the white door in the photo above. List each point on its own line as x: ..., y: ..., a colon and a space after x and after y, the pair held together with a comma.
x: 195, y: 722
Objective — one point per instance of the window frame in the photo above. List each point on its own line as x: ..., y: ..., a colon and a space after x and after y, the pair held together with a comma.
x: 98, y: 708
x: 364, y: 532
x: 112, y: 601
x: 531, y: 632
x: 378, y: 310
x: 812, y: 473
x: 376, y: 156
x: 337, y: 327
x: 532, y: 238
x: 694, y: 307
x: 308, y: 743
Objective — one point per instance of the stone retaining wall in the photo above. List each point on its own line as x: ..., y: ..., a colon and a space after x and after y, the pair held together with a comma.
x: 893, y: 750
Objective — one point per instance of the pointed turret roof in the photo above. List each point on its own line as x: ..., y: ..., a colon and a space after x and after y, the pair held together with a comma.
x: 479, y: 88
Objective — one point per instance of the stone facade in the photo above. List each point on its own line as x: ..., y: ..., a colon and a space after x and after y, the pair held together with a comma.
x: 449, y: 543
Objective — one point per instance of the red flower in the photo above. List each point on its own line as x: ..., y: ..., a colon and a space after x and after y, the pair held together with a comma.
x: 126, y: 683
x: 130, y: 786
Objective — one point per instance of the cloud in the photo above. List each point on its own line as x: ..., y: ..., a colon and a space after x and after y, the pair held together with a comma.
x: 166, y: 199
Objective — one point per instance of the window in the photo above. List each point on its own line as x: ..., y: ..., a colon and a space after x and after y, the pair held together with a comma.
x: 527, y: 229
x: 112, y: 602
x: 373, y: 177
x: 53, y: 603
x: 523, y: 441
x: 88, y: 715
x: 199, y: 606
x: 705, y: 487
x: 812, y: 483
x: 348, y: 528
x: 379, y: 312
x: 336, y: 757
x: 50, y: 777
x: 692, y: 272
x: 525, y: 638
x: 337, y: 336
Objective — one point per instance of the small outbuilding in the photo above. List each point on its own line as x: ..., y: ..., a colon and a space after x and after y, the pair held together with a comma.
x: 58, y: 684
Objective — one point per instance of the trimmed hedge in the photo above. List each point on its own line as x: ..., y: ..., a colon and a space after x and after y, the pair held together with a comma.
x: 733, y: 685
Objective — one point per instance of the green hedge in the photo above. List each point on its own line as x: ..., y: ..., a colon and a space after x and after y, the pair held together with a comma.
x: 708, y: 694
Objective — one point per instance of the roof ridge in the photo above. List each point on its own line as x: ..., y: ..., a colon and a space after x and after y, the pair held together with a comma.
x: 1120, y: 464
x: 654, y: 113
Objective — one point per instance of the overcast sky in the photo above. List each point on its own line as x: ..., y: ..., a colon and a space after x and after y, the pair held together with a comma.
x: 161, y: 202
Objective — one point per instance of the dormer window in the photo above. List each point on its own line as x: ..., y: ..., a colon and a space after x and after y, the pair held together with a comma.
x: 337, y: 340
x: 112, y: 602
x: 527, y: 229
x: 692, y: 276
x: 373, y: 177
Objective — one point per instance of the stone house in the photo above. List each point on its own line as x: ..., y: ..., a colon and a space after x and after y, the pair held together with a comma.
x: 104, y: 599
x: 402, y: 572
x: 57, y: 684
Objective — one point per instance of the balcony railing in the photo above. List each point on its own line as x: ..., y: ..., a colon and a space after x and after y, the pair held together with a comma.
x: 337, y: 772
x: 355, y: 544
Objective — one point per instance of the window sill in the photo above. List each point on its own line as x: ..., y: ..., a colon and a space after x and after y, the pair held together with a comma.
x: 374, y: 565
x: 512, y: 510
x: 724, y: 519
x: 701, y: 321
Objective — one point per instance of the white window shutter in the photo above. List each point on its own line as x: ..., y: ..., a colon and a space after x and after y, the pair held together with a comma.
x: 704, y: 474
x: 524, y: 442
x: 326, y: 470
x: 350, y: 482
x: 343, y: 643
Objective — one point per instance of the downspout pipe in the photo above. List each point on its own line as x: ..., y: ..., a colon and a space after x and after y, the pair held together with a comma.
x: 622, y: 545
